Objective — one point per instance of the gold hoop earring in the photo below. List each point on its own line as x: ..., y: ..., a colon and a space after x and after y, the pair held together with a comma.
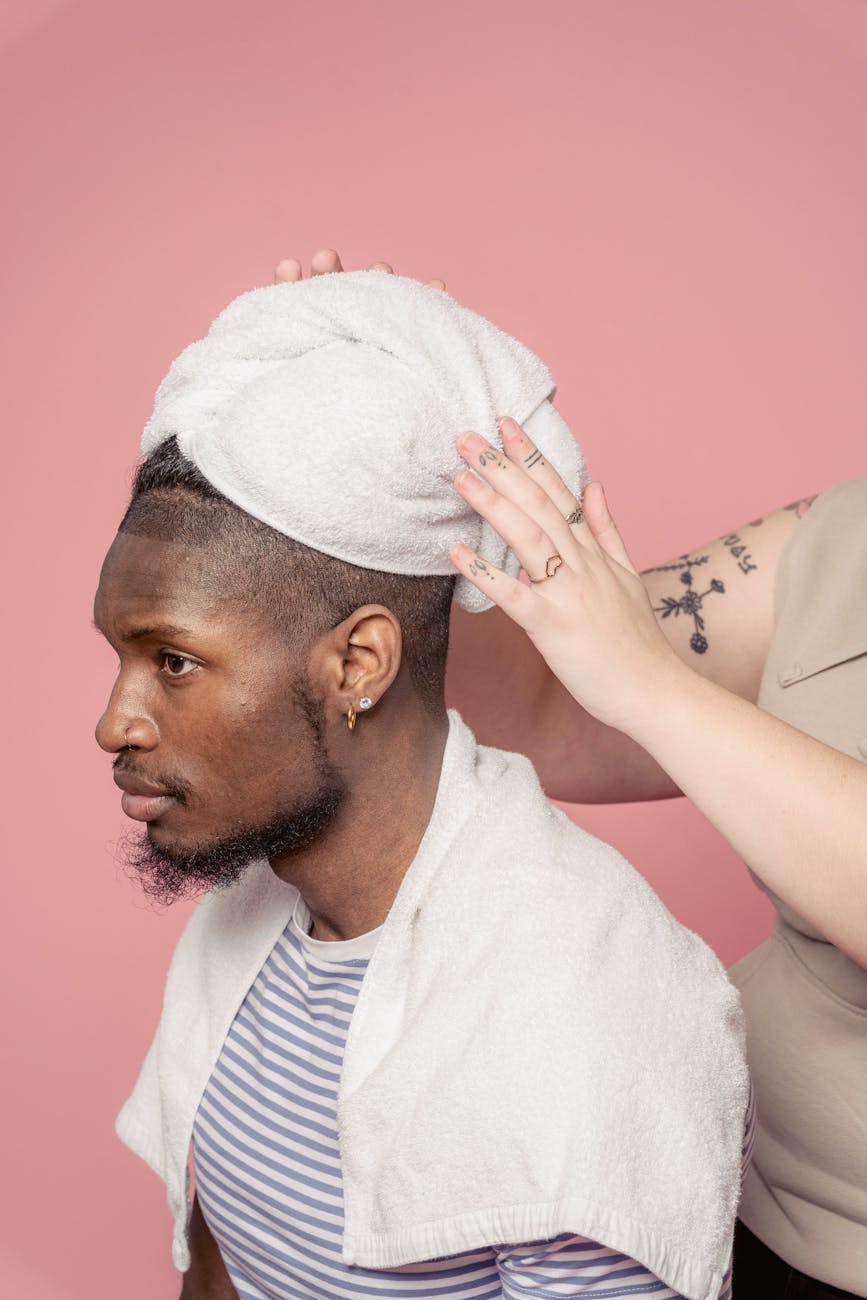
x: 351, y: 717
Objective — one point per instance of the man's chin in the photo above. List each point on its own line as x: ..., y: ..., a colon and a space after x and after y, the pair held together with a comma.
x: 168, y: 871
x: 168, y: 868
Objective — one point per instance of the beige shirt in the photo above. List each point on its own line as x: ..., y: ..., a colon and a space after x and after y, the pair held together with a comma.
x: 805, y: 1002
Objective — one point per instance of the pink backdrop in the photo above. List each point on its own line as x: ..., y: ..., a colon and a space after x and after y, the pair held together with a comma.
x: 667, y: 200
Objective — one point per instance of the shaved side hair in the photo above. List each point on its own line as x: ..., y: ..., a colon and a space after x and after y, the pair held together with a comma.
x: 301, y: 590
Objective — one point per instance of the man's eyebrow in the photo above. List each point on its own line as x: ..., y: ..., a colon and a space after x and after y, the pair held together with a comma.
x: 161, y: 631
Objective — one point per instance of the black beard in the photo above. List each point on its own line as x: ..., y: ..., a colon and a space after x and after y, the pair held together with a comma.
x: 168, y: 874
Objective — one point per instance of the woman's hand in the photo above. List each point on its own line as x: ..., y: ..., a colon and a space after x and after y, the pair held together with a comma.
x: 325, y: 261
x: 784, y: 801
x: 585, y: 608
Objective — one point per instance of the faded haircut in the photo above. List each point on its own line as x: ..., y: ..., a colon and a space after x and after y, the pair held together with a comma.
x: 300, y: 590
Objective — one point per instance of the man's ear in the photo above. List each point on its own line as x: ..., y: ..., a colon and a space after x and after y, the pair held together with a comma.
x: 356, y: 662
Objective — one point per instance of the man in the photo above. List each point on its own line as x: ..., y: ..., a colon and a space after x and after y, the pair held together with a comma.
x: 425, y: 1035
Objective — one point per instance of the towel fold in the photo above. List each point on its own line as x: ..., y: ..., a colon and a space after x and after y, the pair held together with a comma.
x: 329, y: 409
x: 538, y: 1046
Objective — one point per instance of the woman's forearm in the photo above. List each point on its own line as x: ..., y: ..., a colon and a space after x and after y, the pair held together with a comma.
x: 793, y: 808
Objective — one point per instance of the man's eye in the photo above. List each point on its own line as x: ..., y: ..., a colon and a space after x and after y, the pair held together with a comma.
x: 178, y: 665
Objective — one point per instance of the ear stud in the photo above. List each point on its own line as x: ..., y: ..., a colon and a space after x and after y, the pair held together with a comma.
x: 365, y: 702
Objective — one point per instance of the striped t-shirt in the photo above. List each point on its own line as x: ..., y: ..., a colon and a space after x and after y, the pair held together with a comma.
x: 267, y: 1161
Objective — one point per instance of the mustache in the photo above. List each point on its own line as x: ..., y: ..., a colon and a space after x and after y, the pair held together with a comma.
x: 172, y: 785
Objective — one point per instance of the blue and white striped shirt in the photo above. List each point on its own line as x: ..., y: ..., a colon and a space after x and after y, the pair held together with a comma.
x: 267, y: 1161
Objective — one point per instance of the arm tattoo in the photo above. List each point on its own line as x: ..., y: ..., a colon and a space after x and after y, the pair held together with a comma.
x: 801, y: 507
x: 683, y: 562
x: 691, y: 603
x: 738, y: 549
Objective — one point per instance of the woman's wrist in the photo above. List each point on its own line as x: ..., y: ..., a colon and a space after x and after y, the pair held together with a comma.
x: 667, y: 707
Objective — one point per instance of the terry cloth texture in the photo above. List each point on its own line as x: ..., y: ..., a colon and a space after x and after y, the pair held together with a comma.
x: 512, y: 1071
x: 329, y: 409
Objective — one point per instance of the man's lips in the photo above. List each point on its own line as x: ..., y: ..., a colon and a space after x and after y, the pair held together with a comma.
x: 145, y: 808
x: 141, y: 801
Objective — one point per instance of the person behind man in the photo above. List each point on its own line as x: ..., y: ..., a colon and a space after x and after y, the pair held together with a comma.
x: 768, y: 656
x: 426, y: 1036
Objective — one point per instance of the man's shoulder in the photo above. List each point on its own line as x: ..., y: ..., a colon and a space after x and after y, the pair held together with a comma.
x: 516, y: 823
x: 534, y: 881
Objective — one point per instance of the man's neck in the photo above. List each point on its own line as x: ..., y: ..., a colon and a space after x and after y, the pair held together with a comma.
x: 349, y: 878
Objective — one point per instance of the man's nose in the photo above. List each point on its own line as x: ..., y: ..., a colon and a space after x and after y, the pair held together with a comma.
x: 126, y: 724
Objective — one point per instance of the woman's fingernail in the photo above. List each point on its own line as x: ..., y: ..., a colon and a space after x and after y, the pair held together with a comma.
x: 471, y: 443
x: 508, y: 427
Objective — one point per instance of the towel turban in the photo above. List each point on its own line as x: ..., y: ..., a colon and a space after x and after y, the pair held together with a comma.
x: 329, y: 410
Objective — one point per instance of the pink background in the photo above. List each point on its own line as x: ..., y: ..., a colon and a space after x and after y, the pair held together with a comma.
x: 666, y: 199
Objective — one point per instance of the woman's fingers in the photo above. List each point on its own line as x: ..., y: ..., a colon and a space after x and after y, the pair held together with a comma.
x: 288, y: 271
x: 523, y: 452
x: 603, y: 527
x: 513, y: 597
x: 518, y: 484
x: 436, y: 283
x: 536, y: 549
x: 325, y: 261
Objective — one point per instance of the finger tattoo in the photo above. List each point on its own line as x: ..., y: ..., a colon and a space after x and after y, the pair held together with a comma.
x: 478, y: 566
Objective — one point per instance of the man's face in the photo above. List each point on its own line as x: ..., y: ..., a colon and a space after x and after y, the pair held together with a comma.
x: 219, y: 743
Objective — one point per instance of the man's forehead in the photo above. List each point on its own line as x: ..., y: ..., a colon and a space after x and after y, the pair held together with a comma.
x: 138, y: 556
x: 157, y: 579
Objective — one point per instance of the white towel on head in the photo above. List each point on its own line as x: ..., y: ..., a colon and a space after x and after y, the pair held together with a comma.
x: 329, y: 409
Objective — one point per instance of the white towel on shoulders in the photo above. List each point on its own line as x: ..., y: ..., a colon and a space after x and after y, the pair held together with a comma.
x: 538, y: 1046
x: 329, y: 409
